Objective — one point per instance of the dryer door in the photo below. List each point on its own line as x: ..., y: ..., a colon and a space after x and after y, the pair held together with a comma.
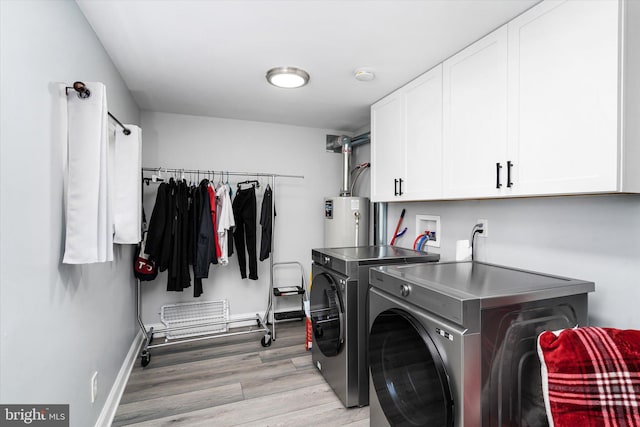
x: 408, y: 373
x: 327, y: 314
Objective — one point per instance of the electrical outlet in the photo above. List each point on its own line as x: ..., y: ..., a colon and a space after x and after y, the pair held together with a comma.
x: 485, y: 227
x: 94, y: 386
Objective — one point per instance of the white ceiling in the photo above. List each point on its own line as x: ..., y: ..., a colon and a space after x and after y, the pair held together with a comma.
x: 209, y: 57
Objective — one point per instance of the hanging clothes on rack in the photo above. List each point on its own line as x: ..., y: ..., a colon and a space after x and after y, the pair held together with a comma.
x: 226, y: 222
x: 205, y: 249
x: 179, y: 277
x: 266, y: 221
x: 244, y: 235
x: 243, y: 207
x: 195, y: 216
x: 168, y: 235
x: 158, y: 223
x: 213, y: 205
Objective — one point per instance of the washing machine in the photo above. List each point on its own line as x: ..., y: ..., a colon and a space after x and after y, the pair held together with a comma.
x: 453, y: 344
x: 338, y: 305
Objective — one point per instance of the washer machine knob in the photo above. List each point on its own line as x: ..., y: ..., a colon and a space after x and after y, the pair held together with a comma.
x: 326, y: 260
x: 405, y: 290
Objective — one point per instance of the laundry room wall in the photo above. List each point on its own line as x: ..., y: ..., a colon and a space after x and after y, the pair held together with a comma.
x: 58, y: 323
x: 205, y: 143
x: 595, y: 238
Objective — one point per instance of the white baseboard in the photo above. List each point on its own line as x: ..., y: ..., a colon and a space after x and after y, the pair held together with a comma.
x: 113, y: 400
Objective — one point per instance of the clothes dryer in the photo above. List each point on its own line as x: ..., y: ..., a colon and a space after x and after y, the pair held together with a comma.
x: 339, y: 313
x: 454, y: 344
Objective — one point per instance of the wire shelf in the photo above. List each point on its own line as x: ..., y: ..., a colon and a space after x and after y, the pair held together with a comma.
x: 188, y: 318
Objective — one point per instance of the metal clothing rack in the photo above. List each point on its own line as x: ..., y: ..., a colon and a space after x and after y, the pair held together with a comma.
x: 262, y: 322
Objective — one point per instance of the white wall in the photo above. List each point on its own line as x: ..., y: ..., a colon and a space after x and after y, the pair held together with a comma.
x: 58, y: 323
x: 595, y: 238
x: 191, y: 142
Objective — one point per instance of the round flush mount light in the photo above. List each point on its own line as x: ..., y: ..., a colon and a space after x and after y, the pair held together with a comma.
x: 364, y: 75
x: 287, y: 77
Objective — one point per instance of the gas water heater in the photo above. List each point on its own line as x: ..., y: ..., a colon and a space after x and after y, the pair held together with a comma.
x: 346, y: 218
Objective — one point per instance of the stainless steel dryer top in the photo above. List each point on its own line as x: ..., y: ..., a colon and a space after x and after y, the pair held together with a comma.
x: 346, y: 260
x: 459, y: 290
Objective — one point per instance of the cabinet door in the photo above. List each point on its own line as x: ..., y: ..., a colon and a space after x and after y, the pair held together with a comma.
x: 563, y: 75
x: 422, y: 100
x: 387, y: 148
x: 475, y: 118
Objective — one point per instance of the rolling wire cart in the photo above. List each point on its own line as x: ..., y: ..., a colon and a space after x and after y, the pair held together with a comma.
x: 210, y: 321
x: 192, y: 323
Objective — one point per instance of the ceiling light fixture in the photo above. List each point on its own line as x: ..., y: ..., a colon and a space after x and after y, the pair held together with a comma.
x: 287, y: 77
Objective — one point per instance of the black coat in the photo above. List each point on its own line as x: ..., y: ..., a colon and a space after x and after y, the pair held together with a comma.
x: 168, y: 235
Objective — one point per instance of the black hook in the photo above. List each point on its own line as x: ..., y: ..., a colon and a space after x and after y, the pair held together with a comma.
x: 81, y: 89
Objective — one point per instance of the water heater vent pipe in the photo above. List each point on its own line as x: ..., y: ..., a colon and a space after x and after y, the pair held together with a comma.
x: 345, y: 191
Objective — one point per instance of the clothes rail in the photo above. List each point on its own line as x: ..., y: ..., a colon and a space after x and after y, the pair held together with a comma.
x: 204, y: 171
x: 261, y: 321
x: 84, y: 93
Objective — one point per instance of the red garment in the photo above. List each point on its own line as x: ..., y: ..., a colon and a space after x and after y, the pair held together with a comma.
x: 591, y: 377
x: 212, y: 199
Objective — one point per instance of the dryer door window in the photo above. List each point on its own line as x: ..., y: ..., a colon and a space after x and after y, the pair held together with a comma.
x: 327, y: 315
x: 408, y: 373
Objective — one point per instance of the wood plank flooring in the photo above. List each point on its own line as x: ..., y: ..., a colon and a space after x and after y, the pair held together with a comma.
x: 234, y: 381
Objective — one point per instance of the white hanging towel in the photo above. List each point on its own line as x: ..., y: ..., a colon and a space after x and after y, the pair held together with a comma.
x: 225, y: 222
x: 89, y: 220
x: 127, y: 197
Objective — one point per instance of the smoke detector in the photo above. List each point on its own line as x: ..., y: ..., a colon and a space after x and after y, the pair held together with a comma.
x: 364, y: 75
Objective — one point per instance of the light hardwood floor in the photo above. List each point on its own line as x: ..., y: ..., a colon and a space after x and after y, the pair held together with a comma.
x: 234, y: 381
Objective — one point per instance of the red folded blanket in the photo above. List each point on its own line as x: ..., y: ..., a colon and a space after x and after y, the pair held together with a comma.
x: 591, y: 377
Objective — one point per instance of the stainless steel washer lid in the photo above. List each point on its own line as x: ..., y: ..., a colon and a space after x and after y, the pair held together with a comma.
x: 374, y: 253
x: 459, y: 290
x: 343, y: 259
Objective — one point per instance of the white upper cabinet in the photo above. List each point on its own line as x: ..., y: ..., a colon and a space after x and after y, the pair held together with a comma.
x: 406, y: 144
x: 423, y: 136
x: 548, y: 104
x: 563, y: 98
x: 475, y: 118
x: 386, y: 147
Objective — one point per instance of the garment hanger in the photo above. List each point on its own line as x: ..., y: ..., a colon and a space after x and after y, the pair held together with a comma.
x: 229, y: 185
x: 158, y: 177
x: 254, y: 182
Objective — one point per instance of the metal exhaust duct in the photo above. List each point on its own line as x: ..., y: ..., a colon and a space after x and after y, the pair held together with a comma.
x: 345, y: 191
x: 344, y: 144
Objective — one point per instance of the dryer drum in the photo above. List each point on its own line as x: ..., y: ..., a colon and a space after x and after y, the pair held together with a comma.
x: 408, y: 373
